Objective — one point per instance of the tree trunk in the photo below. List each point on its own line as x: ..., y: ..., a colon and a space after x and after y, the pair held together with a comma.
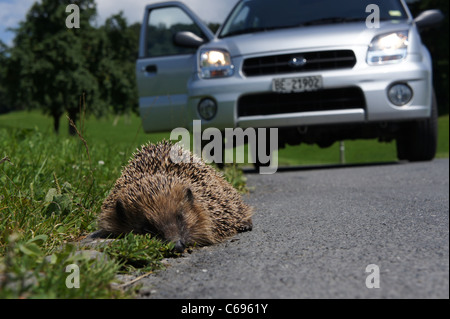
x: 56, y: 118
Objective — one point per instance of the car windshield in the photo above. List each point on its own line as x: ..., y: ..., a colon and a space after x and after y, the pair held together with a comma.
x: 263, y: 15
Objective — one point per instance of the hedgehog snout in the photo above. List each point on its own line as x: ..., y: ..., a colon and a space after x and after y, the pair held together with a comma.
x: 179, y: 247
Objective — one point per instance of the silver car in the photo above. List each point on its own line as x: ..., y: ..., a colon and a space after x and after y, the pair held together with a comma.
x: 320, y: 71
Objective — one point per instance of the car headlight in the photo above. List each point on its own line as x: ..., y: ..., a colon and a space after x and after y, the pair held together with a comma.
x: 215, y: 64
x: 388, y: 48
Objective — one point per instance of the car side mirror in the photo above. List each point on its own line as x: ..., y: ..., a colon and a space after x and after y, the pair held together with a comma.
x: 429, y: 19
x: 188, y: 39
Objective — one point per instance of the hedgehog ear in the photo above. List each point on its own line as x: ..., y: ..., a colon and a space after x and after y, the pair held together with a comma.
x: 189, y: 195
x: 120, y: 210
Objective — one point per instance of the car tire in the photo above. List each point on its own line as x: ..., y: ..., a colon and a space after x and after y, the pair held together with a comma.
x: 417, y: 141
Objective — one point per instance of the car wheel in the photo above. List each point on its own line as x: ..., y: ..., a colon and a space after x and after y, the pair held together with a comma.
x: 418, y: 140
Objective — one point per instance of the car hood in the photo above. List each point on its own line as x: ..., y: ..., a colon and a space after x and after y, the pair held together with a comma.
x: 304, y: 38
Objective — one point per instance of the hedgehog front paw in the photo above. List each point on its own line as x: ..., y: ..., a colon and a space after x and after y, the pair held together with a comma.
x: 246, y: 226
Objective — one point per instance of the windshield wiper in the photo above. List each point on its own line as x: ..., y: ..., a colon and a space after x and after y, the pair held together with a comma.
x: 258, y: 29
x: 331, y: 20
x: 243, y: 31
x: 251, y: 30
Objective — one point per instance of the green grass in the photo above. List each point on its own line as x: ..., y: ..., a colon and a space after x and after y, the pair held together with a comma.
x: 121, y: 130
x: 360, y: 151
x: 52, y: 188
x: 28, y: 273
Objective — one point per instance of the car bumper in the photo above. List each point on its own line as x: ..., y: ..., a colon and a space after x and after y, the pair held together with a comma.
x: 373, y: 81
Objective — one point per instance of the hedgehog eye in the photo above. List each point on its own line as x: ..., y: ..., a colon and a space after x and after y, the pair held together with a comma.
x: 148, y: 228
x: 179, y: 217
x: 180, y: 221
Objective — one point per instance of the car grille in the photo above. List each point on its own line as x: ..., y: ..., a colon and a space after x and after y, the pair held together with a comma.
x: 313, y: 61
x: 323, y: 100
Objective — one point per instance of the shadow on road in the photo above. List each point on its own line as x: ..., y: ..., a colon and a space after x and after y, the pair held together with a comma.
x: 249, y: 170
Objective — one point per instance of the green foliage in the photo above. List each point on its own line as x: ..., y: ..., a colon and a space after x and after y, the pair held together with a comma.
x: 48, y: 187
x: 139, y: 252
x: 214, y: 27
x: 236, y: 177
x: 116, y: 70
x: 443, y: 138
x: 49, y: 67
x: 25, y: 271
x: 4, y: 107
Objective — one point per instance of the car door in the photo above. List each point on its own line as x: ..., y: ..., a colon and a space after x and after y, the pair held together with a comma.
x: 163, y: 68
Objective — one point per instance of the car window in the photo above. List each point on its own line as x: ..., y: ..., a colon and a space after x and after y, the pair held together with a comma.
x: 262, y: 15
x: 163, y: 24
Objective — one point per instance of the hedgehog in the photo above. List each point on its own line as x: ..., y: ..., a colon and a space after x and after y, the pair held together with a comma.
x: 184, y: 201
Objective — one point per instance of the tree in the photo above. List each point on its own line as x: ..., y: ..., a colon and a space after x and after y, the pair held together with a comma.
x: 116, y: 73
x: 214, y: 26
x: 50, y: 66
x: 4, y: 107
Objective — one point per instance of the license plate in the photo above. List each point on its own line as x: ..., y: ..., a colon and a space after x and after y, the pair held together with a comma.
x: 298, y: 84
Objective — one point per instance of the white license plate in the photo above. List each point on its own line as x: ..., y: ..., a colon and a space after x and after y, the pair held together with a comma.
x: 298, y: 84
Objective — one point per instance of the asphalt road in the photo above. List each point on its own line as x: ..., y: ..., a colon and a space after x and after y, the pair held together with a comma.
x: 317, y: 229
